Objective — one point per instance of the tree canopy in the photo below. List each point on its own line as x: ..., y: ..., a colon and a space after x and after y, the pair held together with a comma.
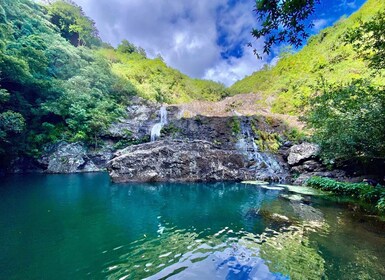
x: 348, y: 119
x: 369, y: 40
x: 59, y: 82
x: 74, y: 25
x: 282, y: 21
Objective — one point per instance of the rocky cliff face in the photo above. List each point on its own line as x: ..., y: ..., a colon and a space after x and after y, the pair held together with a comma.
x: 189, y: 161
x: 66, y: 157
x: 141, y: 116
x: 225, y: 143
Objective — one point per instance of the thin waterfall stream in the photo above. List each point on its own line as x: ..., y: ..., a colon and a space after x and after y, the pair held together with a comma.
x: 264, y: 164
x: 157, y: 128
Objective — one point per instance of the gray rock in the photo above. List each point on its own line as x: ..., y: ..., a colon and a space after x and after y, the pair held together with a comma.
x: 141, y: 116
x: 189, y: 161
x: 302, y: 152
x: 308, y: 166
x: 66, y: 157
x: 335, y: 174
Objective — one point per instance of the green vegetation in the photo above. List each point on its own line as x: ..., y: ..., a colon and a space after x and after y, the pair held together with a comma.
x: 357, y: 110
x: 170, y: 129
x: 362, y: 191
x: 296, y: 77
x: 294, y: 134
x: 368, y: 39
x: 155, y: 81
x: 74, y: 25
x: 235, y: 125
x: 336, y: 84
x: 268, y: 141
x: 58, y: 81
x: 123, y: 143
x: 282, y: 21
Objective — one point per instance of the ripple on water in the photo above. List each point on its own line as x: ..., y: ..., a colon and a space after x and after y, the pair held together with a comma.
x: 152, y: 231
x: 183, y: 255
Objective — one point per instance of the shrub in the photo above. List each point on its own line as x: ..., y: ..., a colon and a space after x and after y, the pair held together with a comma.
x: 362, y: 191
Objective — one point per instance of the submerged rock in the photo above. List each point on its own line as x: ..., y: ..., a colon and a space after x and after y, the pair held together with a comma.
x: 275, y: 220
x: 190, y: 161
x: 293, y: 197
x: 255, y: 182
x: 302, y: 190
x: 312, y: 216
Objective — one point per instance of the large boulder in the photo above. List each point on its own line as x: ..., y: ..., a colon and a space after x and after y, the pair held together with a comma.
x: 302, y: 152
x: 66, y: 157
x: 190, y: 161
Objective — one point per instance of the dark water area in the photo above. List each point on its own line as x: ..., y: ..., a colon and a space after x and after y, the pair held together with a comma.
x: 85, y: 227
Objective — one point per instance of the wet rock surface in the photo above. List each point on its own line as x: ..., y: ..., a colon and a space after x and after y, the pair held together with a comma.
x: 190, y: 161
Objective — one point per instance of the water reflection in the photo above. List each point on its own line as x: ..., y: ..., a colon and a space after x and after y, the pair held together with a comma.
x: 181, y: 254
x: 180, y: 231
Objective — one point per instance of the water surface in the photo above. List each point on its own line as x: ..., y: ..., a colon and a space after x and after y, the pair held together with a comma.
x: 84, y: 227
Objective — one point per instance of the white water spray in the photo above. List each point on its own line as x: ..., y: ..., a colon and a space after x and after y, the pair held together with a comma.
x: 264, y: 163
x: 156, y: 129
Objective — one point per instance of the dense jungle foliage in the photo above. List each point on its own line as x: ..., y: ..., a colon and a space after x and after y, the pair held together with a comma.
x: 59, y: 81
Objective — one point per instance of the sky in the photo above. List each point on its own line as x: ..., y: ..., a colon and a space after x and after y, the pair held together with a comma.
x: 202, y: 38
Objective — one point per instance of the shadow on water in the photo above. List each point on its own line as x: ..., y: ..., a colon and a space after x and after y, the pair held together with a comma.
x: 82, y: 226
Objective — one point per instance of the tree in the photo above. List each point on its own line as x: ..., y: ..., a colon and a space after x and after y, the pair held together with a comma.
x: 368, y: 39
x: 348, y: 121
x: 11, y: 124
x: 74, y: 25
x: 126, y: 47
x: 282, y: 21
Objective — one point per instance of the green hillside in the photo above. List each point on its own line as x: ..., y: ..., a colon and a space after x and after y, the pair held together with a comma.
x: 59, y: 81
x: 154, y: 80
x: 287, y: 86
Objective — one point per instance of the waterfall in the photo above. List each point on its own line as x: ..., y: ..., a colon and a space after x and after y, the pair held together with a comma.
x: 265, y: 164
x: 156, y: 129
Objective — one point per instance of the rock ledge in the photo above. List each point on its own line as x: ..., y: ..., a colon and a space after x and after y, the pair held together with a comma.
x: 173, y: 161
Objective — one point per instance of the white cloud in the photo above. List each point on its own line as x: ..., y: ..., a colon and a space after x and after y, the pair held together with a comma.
x: 319, y: 24
x: 233, y: 69
x: 190, y: 35
x: 349, y: 4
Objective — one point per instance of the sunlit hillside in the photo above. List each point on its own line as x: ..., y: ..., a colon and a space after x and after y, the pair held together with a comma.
x: 287, y: 86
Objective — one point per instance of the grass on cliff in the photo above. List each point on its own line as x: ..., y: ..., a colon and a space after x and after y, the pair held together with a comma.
x: 155, y: 81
